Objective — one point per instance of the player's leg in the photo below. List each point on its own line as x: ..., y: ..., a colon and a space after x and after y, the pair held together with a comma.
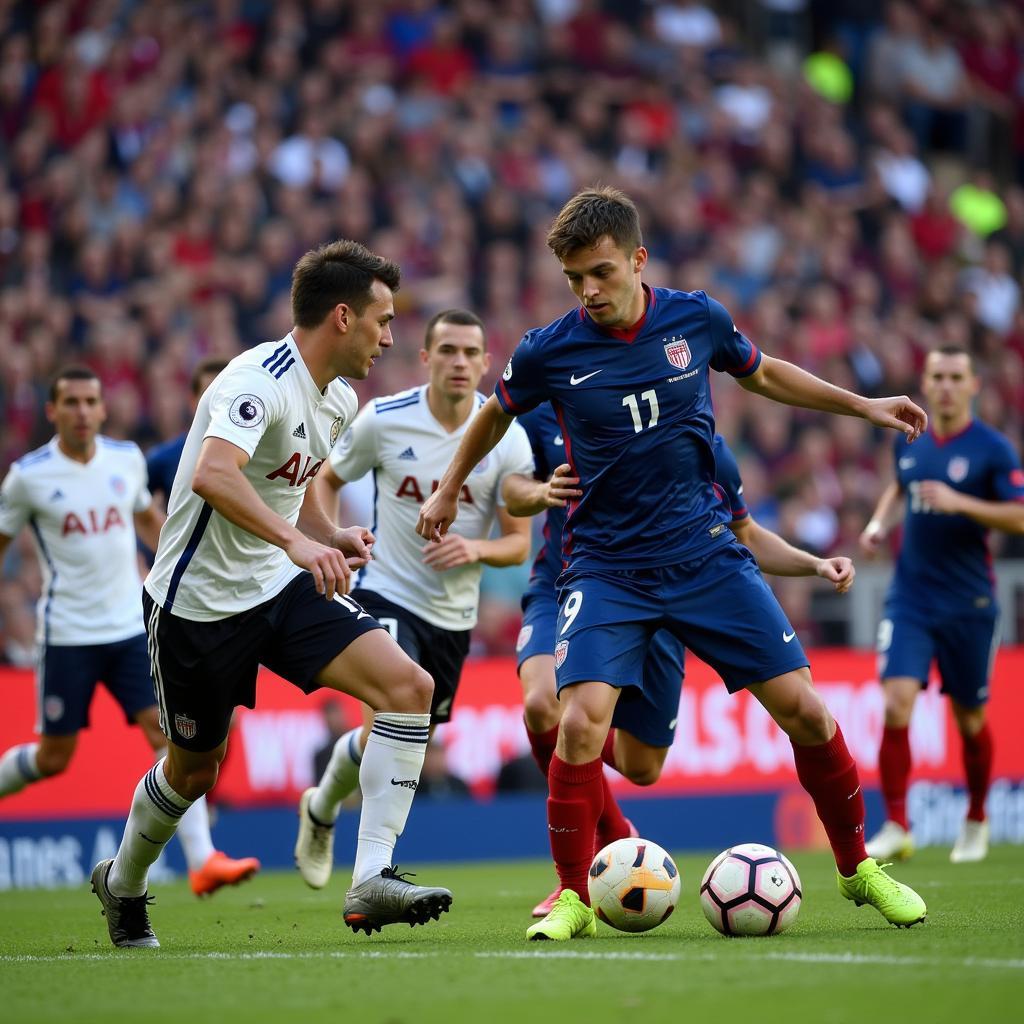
x: 976, y: 739
x: 535, y: 664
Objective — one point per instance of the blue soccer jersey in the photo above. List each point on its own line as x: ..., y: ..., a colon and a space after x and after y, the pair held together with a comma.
x: 640, y: 401
x: 728, y: 485
x: 944, y: 563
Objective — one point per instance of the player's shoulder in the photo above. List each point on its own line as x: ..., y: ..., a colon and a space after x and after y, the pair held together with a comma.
x: 112, y: 444
x: 557, y: 331
x: 166, y: 450
x: 988, y: 436
x: 387, y: 405
x: 36, y: 459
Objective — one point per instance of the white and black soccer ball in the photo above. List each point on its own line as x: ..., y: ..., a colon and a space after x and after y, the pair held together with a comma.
x: 633, y: 884
x: 750, y: 890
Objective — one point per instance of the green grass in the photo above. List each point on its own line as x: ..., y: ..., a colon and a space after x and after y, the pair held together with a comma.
x: 273, y: 950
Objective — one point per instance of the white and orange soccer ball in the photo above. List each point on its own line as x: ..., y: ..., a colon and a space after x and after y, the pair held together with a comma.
x: 633, y: 884
x: 750, y: 890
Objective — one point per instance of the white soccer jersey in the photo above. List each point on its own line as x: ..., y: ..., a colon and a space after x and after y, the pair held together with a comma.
x: 80, y: 515
x: 398, y: 439
x: 266, y: 403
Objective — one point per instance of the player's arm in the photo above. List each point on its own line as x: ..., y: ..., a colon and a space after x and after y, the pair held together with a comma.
x: 313, y: 521
x: 482, y: 435
x: 524, y: 496
x: 218, y: 479
x: 453, y: 550
x: 784, y: 382
x: 887, y: 514
x: 1007, y: 516
x: 777, y: 557
x: 148, y: 523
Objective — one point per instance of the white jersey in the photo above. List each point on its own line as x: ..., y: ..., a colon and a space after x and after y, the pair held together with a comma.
x: 266, y: 403
x: 398, y: 438
x: 81, y: 519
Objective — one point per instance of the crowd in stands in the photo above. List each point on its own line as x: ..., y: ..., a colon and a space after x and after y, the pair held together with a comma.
x: 847, y: 177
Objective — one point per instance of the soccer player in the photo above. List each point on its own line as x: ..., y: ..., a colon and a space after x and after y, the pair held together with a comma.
x: 250, y: 570
x: 643, y: 723
x: 961, y: 480
x: 648, y: 543
x: 425, y: 595
x: 84, y: 496
x: 162, y: 461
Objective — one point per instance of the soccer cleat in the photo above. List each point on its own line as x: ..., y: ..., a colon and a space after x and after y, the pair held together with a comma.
x: 896, y: 902
x: 220, y: 869
x: 127, y: 916
x: 570, y: 918
x: 972, y: 843
x: 314, y: 847
x: 890, y: 842
x: 547, y: 904
x: 388, y: 898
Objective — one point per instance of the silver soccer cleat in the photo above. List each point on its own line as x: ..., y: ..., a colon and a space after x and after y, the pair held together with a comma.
x: 388, y: 898
x: 127, y: 916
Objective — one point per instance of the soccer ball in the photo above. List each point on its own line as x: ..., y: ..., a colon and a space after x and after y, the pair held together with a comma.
x: 633, y: 885
x: 750, y: 890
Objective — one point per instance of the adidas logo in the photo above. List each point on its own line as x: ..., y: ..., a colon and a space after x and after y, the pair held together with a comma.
x: 300, y: 431
x: 57, y: 495
x: 408, y: 454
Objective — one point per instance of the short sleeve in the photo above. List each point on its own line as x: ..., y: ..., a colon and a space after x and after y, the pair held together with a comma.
x: 247, y: 401
x: 516, y: 456
x: 520, y: 386
x: 1007, y: 475
x: 143, y: 498
x: 727, y: 480
x: 14, y: 503
x: 356, y: 454
x: 731, y: 351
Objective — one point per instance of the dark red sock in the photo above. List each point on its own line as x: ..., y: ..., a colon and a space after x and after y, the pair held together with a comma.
x: 829, y: 774
x: 542, y: 745
x: 608, y: 750
x: 894, y: 772
x: 574, y: 806
x: 977, y: 750
x: 612, y: 824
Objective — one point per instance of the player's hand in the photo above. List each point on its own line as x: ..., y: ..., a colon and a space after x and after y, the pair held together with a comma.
x: 436, y: 515
x: 328, y: 566
x: 561, y: 488
x: 898, y: 413
x: 838, y: 570
x: 872, y: 538
x: 355, y: 542
x: 940, y: 497
x: 450, y: 552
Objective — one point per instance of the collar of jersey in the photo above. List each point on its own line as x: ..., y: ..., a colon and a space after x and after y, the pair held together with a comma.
x: 316, y: 394
x: 626, y: 334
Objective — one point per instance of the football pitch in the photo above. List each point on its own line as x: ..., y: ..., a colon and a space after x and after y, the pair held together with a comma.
x: 273, y: 950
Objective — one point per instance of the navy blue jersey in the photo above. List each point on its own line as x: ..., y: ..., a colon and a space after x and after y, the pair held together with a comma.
x: 728, y: 485
x: 162, y: 463
x: 637, y: 425
x: 944, y: 563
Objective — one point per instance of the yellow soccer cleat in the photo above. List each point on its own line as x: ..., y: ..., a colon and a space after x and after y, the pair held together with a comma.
x: 569, y: 918
x: 896, y: 902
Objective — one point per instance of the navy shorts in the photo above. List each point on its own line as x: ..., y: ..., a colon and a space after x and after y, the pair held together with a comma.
x: 442, y: 652
x: 720, y: 607
x: 203, y: 670
x: 68, y: 676
x: 650, y: 713
x: 963, y: 646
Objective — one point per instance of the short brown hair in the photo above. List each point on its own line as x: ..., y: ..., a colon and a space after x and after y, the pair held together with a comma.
x: 462, y: 317
x: 955, y: 350
x: 71, y: 373
x: 590, y: 216
x: 208, y: 367
x: 341, y: 271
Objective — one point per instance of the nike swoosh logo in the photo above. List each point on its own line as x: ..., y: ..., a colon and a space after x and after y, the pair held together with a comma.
x: 574, y: 380
x: 406, y: 783
x: 786, y: 637
x: 155, y: 842
x: 854, y: 793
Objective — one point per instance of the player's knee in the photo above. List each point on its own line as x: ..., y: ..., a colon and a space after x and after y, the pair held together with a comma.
x: 195, y: 779
x: 413, y: 691
x: 809, y: 722
x: 52, y: 762
x: 644, y: 774
x: 581, y: 735
x: 540, y: 709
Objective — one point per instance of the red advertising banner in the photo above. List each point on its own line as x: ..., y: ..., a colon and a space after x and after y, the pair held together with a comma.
x: 724, y: 744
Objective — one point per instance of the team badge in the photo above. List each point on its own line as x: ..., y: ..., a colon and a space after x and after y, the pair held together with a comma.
x: 524, y: 637
x: 481, y: 465
x: 1017, y: 477
x: 677, y: 352
x: 957, y: 469
x: 336, y: 429
x: 185, y: 727
x: 247, y: 411
x: 117, y: 485
x: 53, y: 708
x: 561, y: 650
x: 506, y: 374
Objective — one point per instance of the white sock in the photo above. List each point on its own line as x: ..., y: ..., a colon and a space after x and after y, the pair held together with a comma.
x: 340, y: 777
x: 18, y: 768
x: 388, y: 777
x: 156, y: 811
x: 194, y: 830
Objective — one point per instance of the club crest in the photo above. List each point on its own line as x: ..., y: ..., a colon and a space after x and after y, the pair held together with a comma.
x: 957, y: 469
x: 336, y: 429
x: 561, y: 650
x: 677, y: 352
x: 524, y: 637
x: 185, y: 727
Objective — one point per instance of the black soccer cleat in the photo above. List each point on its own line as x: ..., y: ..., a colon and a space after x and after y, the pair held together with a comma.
x: 127, y: 916
x: 388, y: 898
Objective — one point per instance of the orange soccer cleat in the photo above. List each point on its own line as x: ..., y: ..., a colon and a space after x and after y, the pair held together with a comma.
x: 220, y: 869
